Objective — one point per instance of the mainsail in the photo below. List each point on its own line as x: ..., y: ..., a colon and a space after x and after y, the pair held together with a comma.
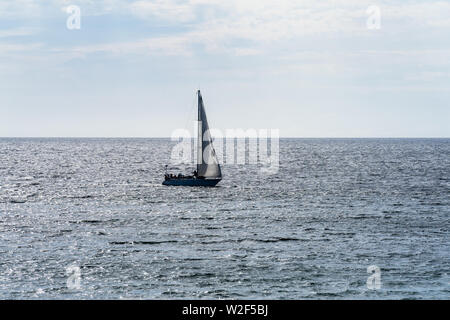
x: 207, y: 163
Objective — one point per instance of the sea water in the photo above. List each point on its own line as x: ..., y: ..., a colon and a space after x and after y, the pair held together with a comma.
x: 89, y: 218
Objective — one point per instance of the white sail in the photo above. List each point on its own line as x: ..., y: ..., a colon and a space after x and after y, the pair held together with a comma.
x: 207, y: 163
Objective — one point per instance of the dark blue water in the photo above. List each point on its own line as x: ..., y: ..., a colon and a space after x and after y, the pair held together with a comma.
x: 336, y: 207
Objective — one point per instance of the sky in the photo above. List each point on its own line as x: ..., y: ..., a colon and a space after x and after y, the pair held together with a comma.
x: 310, y: 68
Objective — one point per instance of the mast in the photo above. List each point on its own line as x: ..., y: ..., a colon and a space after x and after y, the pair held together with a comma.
x: 199, y: 133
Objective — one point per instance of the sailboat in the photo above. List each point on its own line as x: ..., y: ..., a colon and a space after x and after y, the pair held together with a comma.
x: 208, y: 172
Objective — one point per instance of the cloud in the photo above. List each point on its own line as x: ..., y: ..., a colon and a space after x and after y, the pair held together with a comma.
x: 167, y: 10
x: 19, y: 8
x: 425, y: 13
x: 6, y: 48
x: 219, y: 25
x: 161, y: 45
x: 244, y: 27
x: 18, y: 32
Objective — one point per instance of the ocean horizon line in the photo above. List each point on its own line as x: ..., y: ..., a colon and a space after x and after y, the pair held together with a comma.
x: 164, y: 137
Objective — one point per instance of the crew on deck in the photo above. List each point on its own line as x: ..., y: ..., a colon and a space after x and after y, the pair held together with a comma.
x: 169, y: 176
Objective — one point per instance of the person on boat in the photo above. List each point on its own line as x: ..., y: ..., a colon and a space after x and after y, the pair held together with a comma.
x: 195, y: 173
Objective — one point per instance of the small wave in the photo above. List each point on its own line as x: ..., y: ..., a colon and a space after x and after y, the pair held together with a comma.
x: 251, y: 240
x: 391, y: 211
x: 17, y: 201
x: 363, y: 216
x: 198, y: 275
x: 141, y: 242
x: 60, y: 233
x: 81, y: 197
x: 194, y: 259
x: 91, y: 221
x: 271, y: 240
x: 341, y: 233
x: 280, y: 240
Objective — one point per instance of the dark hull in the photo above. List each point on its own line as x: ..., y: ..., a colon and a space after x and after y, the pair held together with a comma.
x: 191, y: 182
